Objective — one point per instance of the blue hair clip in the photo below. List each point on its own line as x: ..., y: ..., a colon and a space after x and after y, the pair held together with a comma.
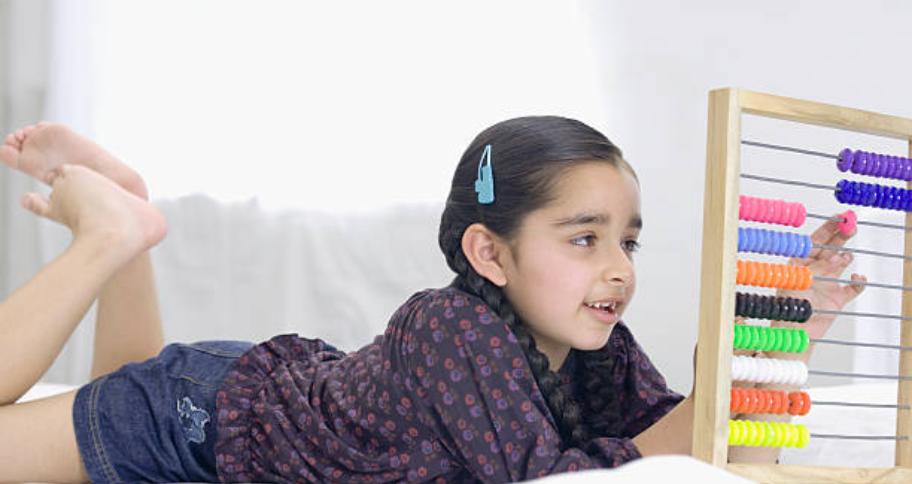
x: 484, y: 185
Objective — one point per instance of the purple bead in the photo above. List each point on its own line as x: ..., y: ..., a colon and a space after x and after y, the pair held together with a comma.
x: 792, y: 248
x: 877, y: 164
x: 895, y: 168
x: 877, y: 195
x: 907, y: 169
x: 846, y: 158
x: 861, y: 163
x: 891, y: 195
x: 808, y: 245
x: 869, y: 194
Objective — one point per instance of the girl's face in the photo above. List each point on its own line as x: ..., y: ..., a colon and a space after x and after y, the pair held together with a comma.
x: 571, y: 273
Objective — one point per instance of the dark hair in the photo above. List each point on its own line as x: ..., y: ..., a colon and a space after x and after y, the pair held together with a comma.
x: 529, y: 155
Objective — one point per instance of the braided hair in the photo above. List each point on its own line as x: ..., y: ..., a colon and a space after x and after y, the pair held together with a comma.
x: 530, y: 155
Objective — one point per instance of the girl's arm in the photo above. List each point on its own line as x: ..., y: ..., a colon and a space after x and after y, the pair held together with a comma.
x: 672, y: 434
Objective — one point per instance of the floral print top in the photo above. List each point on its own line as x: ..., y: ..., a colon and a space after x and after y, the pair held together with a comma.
x: 445, y: 395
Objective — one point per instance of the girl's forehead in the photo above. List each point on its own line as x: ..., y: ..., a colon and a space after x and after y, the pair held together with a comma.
x: 596, y: 188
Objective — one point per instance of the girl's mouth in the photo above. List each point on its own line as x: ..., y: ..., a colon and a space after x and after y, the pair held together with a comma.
x: 605, y: 312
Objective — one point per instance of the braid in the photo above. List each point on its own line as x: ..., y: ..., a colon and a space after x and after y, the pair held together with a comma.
x: 566, y: 411
x: 601, y: 405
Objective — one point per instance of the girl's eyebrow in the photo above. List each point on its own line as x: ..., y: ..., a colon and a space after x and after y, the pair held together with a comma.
x: 597, y: 218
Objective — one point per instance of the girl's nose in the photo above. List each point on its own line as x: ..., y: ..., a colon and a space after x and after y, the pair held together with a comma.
x: 619, y: 268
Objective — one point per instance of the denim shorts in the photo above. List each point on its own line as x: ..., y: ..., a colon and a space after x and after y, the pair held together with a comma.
x: 154, y: 421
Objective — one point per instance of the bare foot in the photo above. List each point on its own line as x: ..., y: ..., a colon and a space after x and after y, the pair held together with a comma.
x: 40, y: 149
x: 94, y: 207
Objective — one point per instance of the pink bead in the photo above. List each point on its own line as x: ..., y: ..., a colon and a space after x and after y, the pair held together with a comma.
x: 851, y: 220
x: 800, y: 215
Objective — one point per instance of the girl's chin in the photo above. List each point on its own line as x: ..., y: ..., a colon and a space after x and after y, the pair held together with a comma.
x: 595, y: 343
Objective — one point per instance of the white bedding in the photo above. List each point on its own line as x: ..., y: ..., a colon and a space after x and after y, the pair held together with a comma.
x: 823, y: 452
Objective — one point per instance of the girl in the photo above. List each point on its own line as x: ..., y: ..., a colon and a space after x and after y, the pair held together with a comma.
x: 520, y: 368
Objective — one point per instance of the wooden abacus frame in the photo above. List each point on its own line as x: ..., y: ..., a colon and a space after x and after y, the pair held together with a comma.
x: 717, y: 294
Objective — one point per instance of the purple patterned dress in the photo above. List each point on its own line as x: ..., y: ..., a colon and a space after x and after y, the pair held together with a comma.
x: 444, y: 395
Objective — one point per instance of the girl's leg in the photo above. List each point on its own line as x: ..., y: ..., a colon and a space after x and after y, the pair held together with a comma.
x: 128, y: 326
x: 110, y: 227
x: 38, y: 443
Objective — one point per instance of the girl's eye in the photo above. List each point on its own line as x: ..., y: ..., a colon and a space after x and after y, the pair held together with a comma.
x: 585, y: 237
x: 631, y: 245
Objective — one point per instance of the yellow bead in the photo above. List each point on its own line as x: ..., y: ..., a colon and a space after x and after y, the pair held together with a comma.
x: 803, y: 436
x: 770, y: 436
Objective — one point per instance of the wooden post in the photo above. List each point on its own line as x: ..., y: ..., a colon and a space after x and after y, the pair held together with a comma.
x: 717, y: 298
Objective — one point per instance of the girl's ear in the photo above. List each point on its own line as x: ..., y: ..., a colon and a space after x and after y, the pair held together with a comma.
x: 484, y: 249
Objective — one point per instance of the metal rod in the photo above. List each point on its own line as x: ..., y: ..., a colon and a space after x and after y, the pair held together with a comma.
x: 872, y: 224
x: 859, y: 437
x: 787, y: 182
x: 786, y: 148
x: 861, y: 251
x: 867, y: 405
x: 855, y: 343
x: 863, y: 315
x: 862, y: 283
x: 859, y: 375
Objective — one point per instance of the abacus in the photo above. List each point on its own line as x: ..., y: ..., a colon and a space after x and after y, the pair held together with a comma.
x: 724, y: 242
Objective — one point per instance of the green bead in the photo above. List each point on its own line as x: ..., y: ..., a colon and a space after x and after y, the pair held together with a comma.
x: 786, y: 345
x: 777, y: 339
x: 762, y: 339
x: 803, y: 344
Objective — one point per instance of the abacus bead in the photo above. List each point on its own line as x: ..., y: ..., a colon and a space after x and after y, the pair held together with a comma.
x: 750, y: 304
x: 808, y: 311
x: 841, y: 192
x: 861, y: 162
x: 770, y: 340
x: 751, y: 433
x: 780, y: 434
x: 804, y: 436
x: 732, y: 433
x: 769, y: 436
x: 788, y: 342
x: 803, y: 343
x: 846, y: 158
x: 777, y: 339
x: 850, y: 220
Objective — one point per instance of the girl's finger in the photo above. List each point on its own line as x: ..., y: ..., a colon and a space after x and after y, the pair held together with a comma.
x: 851, y: 291
x: 826, y: 234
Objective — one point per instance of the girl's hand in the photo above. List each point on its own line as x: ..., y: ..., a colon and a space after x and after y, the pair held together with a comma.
x: 825, y: 295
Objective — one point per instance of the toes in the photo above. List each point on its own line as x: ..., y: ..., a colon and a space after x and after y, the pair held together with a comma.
x: 9, y: 155
x: 52, y: 176
x: 37, y: 204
